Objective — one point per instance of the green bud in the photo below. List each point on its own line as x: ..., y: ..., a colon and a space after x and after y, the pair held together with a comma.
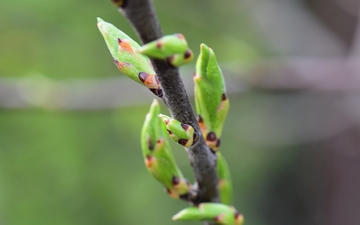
x: 215, y: 212
x: 124, y: 51
x: 225, y: 187
x: 164, y: 47
x: 158, y: 156
x: 211, y: 101
x: 183, y: 134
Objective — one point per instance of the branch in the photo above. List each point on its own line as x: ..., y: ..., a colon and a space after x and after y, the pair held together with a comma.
x: 142, y: 16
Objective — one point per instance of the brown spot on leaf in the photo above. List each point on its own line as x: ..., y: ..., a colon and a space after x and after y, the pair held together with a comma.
x: 125, y: 45
x: 148, y: 161
x: 158, y: 92
x: 218, y: 142
x: 175, y: 180
x: 180, y: 36
x: 211, y: 136
x: 150, y: 144
x: 143, y: 76
x: 158, y: 45
x: 187, y: 54
x: 171, y: 193
x: 185, y: 126
x: 219, y: 218
x: 223, y: 97
x: 121, y: 65
x: 183, y: 142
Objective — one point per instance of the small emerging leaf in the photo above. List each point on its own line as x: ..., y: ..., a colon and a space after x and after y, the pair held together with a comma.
x: 164, y: 47
x: 215, y: 212
x: 158, y: 156
x: 225, y: 186
x: 172, y: 48
x: 211, y: 101
x: 183, y: 134
x: 124, y: 51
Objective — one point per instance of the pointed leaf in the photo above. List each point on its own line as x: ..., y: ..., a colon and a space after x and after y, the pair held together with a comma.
x: 183, y: 134
x: 211, y: 101
x: 225, y: 186
x: 158, y: 156
x: 164, y: 47
x: 216, y: 212
x: 124, y: 51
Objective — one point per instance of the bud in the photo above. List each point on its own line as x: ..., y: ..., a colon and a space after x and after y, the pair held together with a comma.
x: 172, y: 48
x: 124, y: 51
x: 164, y: 47
x: 215, y: 212
x: 183, y: 134
x: 158, y: 156
x: 211, y: 101
x: 225, y: 187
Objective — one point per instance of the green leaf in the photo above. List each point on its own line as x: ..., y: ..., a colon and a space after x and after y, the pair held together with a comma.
x: 215, y: 212
x: 164, y: 47
x: 129, y: 61
x: 172, y: 48
x: 225, y: 186
x: 181, y: 133
x: 211, y: 101
x: 158, y: 156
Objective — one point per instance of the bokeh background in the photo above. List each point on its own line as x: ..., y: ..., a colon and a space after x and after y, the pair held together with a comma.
x: 70, y: 121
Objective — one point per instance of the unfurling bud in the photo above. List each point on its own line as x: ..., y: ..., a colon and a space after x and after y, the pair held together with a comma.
x: 158, y: 156
x: 172, y: 48
x: 183, y: 134
x: 215, y: 212
x: 225, y: 187
x: 211, y: 101
x: 124, y: 51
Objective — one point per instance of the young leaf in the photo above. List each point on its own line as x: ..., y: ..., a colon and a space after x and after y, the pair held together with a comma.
x: 164, y: 47
x: 158, y: 156
x: 183, y: 134
x: 225, y: 187
x: 124, y: 51
x: 211, y: 101
x: 172, y: 48
x: 215, y: 212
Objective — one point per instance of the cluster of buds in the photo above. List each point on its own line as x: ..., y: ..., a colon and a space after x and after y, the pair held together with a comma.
x: 128, y: 60
x: 158, y: 156
x: 215, y: 212
x: 211, y: 101
x: 212, y: 106
x: 172, y: 48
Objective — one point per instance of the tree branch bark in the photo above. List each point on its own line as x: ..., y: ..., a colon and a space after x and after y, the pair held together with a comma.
x: 141, y: 15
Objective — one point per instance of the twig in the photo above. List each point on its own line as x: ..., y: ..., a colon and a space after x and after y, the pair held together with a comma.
x: 142, y: 16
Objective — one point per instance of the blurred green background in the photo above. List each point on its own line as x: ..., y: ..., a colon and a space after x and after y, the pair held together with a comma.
x: 85, y: 166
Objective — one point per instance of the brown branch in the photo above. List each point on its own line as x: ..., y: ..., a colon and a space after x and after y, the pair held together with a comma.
x: 141, y: 15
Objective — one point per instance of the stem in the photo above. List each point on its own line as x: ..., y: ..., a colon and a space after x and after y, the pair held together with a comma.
x: 141, y: 15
